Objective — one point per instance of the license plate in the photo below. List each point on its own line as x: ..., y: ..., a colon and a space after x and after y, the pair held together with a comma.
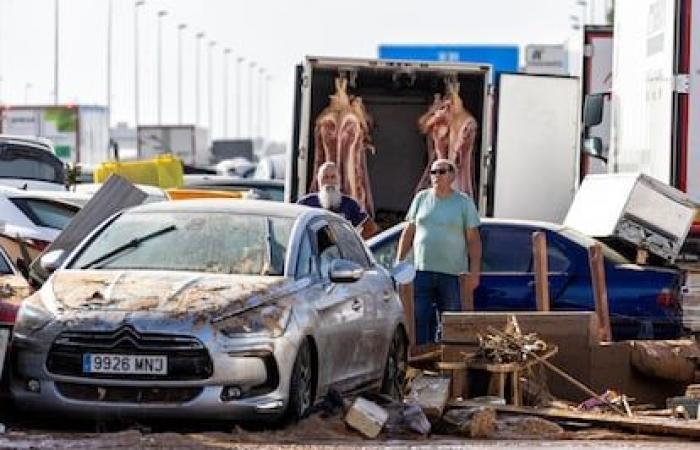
x: 126, y: 364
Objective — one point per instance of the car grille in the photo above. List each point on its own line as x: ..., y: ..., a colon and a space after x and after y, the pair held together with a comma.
x: 188, y: 359
x: 128, y: 394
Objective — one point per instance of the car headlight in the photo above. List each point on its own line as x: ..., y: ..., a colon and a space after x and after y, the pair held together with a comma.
x: 32, y: 316
x: 271, y: 320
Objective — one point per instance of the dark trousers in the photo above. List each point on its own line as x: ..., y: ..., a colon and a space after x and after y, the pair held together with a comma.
x: 433, y: 292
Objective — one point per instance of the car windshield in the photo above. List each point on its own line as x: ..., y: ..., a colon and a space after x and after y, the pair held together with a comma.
x: 30, y: 163
x: 587, y: 241
x: 195, y: 241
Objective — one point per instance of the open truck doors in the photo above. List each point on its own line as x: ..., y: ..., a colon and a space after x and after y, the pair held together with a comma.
x: 536, y: 168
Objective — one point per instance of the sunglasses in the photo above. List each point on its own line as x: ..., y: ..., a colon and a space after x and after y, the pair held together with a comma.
x: 439, y: 171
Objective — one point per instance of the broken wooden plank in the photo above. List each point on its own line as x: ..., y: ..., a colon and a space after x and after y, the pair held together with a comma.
x: 406, y: 296
x: 539, y: 255
x: 431, y: 394
x: 600, y: 293
x: 466, y: 292
x: 643, y: 425
x: 366, y: 417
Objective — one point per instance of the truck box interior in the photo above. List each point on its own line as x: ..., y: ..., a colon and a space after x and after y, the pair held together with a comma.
x: 395, y: 98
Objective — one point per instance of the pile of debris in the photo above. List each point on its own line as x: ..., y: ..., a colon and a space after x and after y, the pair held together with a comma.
x: 432, y: 406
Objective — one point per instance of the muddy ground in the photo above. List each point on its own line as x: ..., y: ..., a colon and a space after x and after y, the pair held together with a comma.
x: 314, y: 432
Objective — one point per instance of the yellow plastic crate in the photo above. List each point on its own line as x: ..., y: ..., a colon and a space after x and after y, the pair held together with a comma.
x: 164, y: 171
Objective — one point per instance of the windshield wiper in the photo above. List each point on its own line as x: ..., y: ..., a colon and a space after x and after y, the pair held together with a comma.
x: 267, y: 265
x: 131, y: 244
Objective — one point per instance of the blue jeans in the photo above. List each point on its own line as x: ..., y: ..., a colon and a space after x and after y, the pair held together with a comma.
x: 433, y: 291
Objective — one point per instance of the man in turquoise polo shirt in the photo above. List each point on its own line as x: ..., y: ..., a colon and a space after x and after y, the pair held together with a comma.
x: 442, y: 230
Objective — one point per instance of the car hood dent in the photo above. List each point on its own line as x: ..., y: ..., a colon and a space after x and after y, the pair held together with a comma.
x: 173, y: 293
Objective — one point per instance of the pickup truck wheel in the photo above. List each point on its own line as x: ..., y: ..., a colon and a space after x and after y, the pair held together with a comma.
x: 395, y: 368
x: 301, y: 384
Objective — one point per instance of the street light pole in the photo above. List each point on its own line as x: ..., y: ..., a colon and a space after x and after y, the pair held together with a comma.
x: 239, y: 60
x: 180, y: 27
x: 109, y: 63
x: 199, y: 37
x: 136, y: 62
x: 261, y: 87
x: 227, y: 52
x: 267, y: 105
x: 251, y: 70
x: 210, y: 92
x: 161, y: 14
x: 55, y: 55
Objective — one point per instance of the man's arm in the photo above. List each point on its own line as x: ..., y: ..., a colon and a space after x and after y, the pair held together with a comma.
x: 369, y: 228
x: 474, y: 249
x: 405, y: 241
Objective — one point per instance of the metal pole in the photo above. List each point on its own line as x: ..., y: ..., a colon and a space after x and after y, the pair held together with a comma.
x: 251, y: 67
x: 136, y: 62
x: 180, y: 27
x: 27, y: 88
x: 55, y: 54
x: 199, y: 37
x: 161, y: 14
x: 109, y: 63
x: 227, y: 52
x: 210, y: 93
x: 261, y: 86
x: 268, y: 79
x: 239, y: 60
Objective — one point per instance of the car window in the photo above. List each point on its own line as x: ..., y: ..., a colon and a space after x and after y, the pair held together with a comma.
x: 306, y: 260
x: 20, y: 161
x: 587, y: 241
x: 5, y: 268
x: 556, y: 258
x: 192, y: 241
x: 506, y: 249
x: 351, y: 248
x: 46, y: 213
x: 327, y: 248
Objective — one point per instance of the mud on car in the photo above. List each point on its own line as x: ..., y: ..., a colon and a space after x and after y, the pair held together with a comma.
x: 209, y: 308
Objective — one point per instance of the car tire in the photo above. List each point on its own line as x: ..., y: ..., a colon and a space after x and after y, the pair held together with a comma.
x: 394, y: 379
x: 301, y: 384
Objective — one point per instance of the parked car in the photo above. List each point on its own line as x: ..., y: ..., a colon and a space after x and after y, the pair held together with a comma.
x: 256, y: 188
x: 153, y: 193
x: 272, y: 167
x: 30, y: 163
x: 643, y: 300
x: 38, y: 216
x: 209, y: 309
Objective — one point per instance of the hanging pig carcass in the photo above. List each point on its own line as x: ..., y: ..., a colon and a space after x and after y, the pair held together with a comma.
x: 451, y: 133
x: 342, y: 136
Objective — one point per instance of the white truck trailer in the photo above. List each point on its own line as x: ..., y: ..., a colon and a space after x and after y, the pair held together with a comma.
x: 188, y: 142
x: 80, y: 133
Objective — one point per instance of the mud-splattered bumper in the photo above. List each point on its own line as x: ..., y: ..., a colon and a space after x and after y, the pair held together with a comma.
x: 249, y: 381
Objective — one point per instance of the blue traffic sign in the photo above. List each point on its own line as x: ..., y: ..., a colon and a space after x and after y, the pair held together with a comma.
x: 503, y: 58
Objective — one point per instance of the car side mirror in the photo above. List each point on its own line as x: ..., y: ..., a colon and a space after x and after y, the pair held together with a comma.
x: 52, y: 260
x: 593, y: 146
x: 593, y: 109
x: 403, y: 272
x: 344, y: 271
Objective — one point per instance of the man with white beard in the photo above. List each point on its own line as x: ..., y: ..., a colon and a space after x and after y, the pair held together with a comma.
x: 329, y: 197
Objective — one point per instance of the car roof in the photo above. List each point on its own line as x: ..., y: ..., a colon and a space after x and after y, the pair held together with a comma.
x: 73, y: 198
x: 259, y: 207
x: 33, y: 141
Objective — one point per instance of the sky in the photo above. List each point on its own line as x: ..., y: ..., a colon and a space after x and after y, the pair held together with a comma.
x: 275, y: 34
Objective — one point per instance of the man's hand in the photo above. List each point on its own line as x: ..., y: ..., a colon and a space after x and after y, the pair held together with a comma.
x: 473, y: 280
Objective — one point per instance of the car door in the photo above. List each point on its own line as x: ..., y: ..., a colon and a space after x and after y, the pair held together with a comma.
x: 507, y: 276
x: 373, y: 291
x: 339, y: 310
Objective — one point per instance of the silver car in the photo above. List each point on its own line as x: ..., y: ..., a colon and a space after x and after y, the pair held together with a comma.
x: 211, y: 309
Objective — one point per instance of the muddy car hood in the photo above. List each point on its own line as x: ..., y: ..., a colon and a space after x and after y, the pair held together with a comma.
x: 167, y: 292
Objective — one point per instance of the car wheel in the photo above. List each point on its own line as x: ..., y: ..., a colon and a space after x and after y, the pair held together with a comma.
x: 395, y: 368
x: 301, y: 385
